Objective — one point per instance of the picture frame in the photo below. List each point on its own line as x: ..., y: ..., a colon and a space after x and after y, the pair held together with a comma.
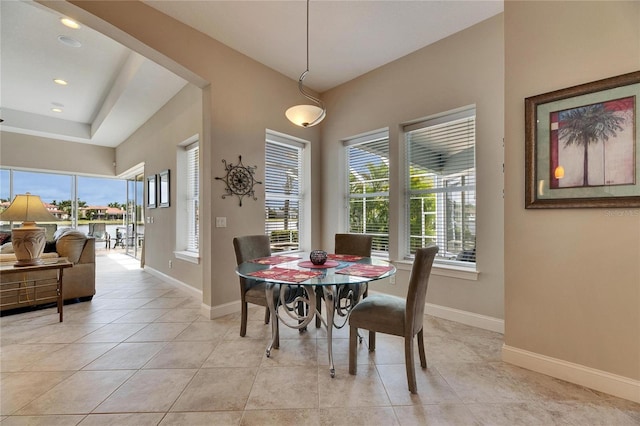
x: 151, y: 191
x: 164, y: 189
x: 582, y: 148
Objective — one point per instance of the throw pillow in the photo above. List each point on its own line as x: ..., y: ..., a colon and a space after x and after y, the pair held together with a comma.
x: 49, y: 247
x: 5, y: 237
x: 70, y: 245
x: 6, y: 248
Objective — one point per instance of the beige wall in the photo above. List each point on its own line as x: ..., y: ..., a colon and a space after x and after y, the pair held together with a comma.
x: 466, y: 68
x: 572, y: 277
x: 34, y: 152
x: 155, y: 144
x: 242, y: 98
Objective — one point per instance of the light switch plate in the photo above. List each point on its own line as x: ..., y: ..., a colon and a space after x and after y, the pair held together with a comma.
x: 221, y: 222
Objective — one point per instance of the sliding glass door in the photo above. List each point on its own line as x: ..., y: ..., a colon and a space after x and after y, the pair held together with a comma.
x: 134, y: 235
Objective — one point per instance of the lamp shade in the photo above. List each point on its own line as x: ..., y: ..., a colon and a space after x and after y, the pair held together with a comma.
x: 27, y: 208
x: 305, y: 115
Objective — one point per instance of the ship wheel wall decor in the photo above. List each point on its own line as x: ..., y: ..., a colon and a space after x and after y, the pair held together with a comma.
x: 240, y: 180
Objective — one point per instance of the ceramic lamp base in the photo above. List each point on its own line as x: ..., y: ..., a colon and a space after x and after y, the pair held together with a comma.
x: 28, y: 244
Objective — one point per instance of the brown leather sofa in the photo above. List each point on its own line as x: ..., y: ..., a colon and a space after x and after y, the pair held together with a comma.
x: 79, y: 282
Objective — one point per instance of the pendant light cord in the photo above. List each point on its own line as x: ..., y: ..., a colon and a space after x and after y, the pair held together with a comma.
x: 304, y: 74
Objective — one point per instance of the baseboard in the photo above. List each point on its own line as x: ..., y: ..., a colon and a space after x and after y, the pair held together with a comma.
x: 207, y: 311
x: 612, y: 384
x: 464, y: 317
x: 218, y: 311
x: 193, y: 292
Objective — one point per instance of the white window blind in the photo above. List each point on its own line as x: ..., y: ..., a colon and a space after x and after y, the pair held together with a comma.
x: 283, y: 192
x: 368, y: 197
x: 193, y: 194
x: 441, y: 182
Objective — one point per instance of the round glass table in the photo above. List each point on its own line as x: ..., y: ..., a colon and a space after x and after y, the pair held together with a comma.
x: 292, y: 280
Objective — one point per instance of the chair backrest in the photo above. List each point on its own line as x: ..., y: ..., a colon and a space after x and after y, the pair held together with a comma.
x: 97, y: 230
x: 251, y: 247
x: 417, y: 293
x: 354, y: 244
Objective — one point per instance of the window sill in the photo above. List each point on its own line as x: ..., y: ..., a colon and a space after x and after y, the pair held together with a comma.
x: 443, y: 270
x: 187, y: 256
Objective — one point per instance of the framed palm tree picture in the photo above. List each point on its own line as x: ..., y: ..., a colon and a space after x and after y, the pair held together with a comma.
x: 582, y: 145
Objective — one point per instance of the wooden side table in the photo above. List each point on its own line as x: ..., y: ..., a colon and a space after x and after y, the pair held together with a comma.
x: 17, y: 280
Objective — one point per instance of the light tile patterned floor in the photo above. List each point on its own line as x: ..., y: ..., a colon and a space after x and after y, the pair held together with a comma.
x: 141, y: 354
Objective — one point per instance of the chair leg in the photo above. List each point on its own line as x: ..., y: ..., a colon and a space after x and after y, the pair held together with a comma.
x: 353, y: 347
x: 423, y: 356
x: 267, y: 315
x: 243, y: 319
x: 372, y: 341
x: 408, y: 360
x: 318, y: 308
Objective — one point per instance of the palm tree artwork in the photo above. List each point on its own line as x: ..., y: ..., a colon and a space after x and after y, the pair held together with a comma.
x: 577, y: 134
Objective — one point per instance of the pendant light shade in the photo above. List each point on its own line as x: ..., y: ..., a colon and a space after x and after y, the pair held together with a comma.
x: 306, y: 115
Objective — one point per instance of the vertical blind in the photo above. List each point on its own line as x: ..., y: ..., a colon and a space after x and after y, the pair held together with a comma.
x: 283, y: 193
x: 193, y: 193
x: 368, y: 203
x: 441, y: 181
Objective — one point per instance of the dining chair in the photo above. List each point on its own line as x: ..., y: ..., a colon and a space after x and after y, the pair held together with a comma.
x: 99, y: 232
x: 394, y: 315
x: 251, y: 291
x: 353, y: 244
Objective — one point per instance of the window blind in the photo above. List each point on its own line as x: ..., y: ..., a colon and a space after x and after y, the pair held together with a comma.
x: 193, y: 194
x: 441, y: 182
x: 283, y: 193
x: 368, y: 194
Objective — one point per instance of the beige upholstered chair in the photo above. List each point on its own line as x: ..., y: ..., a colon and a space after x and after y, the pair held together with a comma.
x: 251, y: 291
x: 353, y: 244
x: 394, y: 315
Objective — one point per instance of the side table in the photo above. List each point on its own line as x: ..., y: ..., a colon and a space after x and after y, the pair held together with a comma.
x: 26, y: 281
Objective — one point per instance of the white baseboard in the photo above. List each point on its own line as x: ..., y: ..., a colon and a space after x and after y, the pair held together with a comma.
x: 612, y: 384
x: 464, y: 317
x: 218, y: 311
x: 193, y: 292
x: 207, y: 311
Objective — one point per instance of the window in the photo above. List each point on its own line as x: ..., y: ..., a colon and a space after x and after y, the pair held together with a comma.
x: 441, y: 182
x: 284, y: 199
x: 368, y: 193
x: 188, y: 200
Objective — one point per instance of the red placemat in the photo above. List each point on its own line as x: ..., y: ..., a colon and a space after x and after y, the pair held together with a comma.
x: 283, y: 274
x: 327, y: 264
x: 362, y: 270
x: 274, y: 260
x: 344, y: 257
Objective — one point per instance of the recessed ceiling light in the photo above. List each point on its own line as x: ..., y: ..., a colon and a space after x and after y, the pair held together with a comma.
x: 68, y: 41
x: 70, y: 23
x: 58, y: 104
x: 60, y: 81
x: 56, y: 109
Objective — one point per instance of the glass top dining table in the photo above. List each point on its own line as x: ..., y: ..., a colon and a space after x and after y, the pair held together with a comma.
x: 339, y: 281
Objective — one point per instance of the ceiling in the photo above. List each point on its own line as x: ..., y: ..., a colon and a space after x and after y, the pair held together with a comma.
x: 112, y: 91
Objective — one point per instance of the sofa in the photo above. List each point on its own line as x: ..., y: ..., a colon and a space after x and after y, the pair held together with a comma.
x: 78, y: 282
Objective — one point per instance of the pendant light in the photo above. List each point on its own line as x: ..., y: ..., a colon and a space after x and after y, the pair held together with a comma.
x: 306, y: 115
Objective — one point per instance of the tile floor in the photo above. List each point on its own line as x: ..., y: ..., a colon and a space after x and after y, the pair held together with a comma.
x: 141, y: 354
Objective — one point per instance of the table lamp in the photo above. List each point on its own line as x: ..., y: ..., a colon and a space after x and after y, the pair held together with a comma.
x: 28, y: 240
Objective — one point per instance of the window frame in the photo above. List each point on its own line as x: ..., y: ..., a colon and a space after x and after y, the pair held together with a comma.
x: 449, y: 267
x: 188, y: 185
x: 303, y: 221
x: 360, y: 140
